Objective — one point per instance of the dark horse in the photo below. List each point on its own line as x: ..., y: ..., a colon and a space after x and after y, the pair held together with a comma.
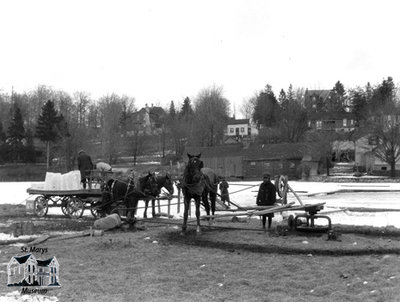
x: 198, y: 183
x: 162, y: 182
x: 129, y: 193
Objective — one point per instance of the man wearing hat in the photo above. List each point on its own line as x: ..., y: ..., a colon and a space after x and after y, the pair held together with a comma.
x: 85, y: 165
x: 266, y: 197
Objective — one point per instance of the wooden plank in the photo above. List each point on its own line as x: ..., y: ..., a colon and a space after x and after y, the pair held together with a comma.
x: 294, y: 193
x: 92, y: 192
x: 305, y: 207
x: 275, y: 209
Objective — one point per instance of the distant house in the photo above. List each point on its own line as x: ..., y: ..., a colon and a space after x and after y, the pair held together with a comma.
x: 27, y: 271
x: 148, y: 120
x: 239, y: 130
x: 339, y: 122
x: 253, y: 161
x: 365, y: 155
x: 275, y: 159
x: 315, y: 99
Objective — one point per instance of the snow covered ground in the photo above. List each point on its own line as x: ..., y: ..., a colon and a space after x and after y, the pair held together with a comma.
x: 335, y: 195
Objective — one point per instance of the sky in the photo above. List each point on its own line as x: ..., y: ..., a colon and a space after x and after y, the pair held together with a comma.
x: 158, y: 51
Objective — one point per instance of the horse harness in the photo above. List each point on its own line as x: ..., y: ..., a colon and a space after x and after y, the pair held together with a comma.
x: 130, y: 184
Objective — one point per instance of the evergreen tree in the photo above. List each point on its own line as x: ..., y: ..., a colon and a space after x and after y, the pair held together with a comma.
x: 30, y: 153
x: 358, y: 99
x: 2, y: 134
x: 383, y: 98
x: 16, y: 134
x: 266, y: 110
x: 47, y: 128
x: 282, y: 97
x: 336, y: 103
x: 290, y: 95
x: 172, y: 111
x: 186, y: 111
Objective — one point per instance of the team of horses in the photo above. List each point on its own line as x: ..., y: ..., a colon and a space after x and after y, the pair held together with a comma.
x: 198, y: 183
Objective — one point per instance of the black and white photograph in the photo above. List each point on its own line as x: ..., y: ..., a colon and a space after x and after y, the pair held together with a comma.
x: 182, y: 150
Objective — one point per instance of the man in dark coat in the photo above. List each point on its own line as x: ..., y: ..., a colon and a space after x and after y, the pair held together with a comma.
x: 266, y: 197
x: 85, y: 165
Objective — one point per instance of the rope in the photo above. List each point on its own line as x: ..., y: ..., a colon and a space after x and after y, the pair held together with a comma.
x: 24, y: 200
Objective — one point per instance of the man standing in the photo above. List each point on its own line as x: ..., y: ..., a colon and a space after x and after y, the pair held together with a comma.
x: 266, y: 197
x: 85, y: 165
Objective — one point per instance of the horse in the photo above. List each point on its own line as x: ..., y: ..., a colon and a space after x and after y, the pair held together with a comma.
x: 115, y: 190
x: 162, y: 182
x: 197, y: 183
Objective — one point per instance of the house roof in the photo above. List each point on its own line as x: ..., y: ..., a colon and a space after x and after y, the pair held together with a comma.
x: 22, y: 259
x: 320, y: 93
x: 217, y: 151
x: 260, y: 152
x: 234, y: 121
x: 274, y: 151
x: 44, y: 262
x: 158, y: 111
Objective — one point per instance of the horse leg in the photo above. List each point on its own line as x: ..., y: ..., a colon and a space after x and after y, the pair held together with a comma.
x: 213, y: 197
x: 153, y: 203
x: 146, y: 204
x: 206, y: 204
x: 198, y: 229
x: 132, y: 207
x: 186, y: 200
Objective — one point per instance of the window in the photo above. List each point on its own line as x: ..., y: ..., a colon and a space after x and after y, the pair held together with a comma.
x: 242, y: 130
x: 344, y: 122
x: 267, y: 165
x: 231, y: 130
x: 319, y: 124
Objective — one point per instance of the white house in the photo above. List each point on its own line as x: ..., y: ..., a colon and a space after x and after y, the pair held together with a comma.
x: 240, y: 129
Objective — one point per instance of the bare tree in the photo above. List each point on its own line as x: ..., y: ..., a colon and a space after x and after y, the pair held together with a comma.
x: 111, y: 108
x: 212, y: 112
x: 387, y: 131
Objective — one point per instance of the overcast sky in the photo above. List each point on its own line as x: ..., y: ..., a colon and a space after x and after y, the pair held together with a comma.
x: 162, y: 50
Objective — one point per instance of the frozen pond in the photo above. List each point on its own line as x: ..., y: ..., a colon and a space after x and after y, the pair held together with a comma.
x: 244, y: 193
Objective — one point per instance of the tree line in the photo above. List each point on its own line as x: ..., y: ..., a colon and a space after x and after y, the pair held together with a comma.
x: 66, y: 123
